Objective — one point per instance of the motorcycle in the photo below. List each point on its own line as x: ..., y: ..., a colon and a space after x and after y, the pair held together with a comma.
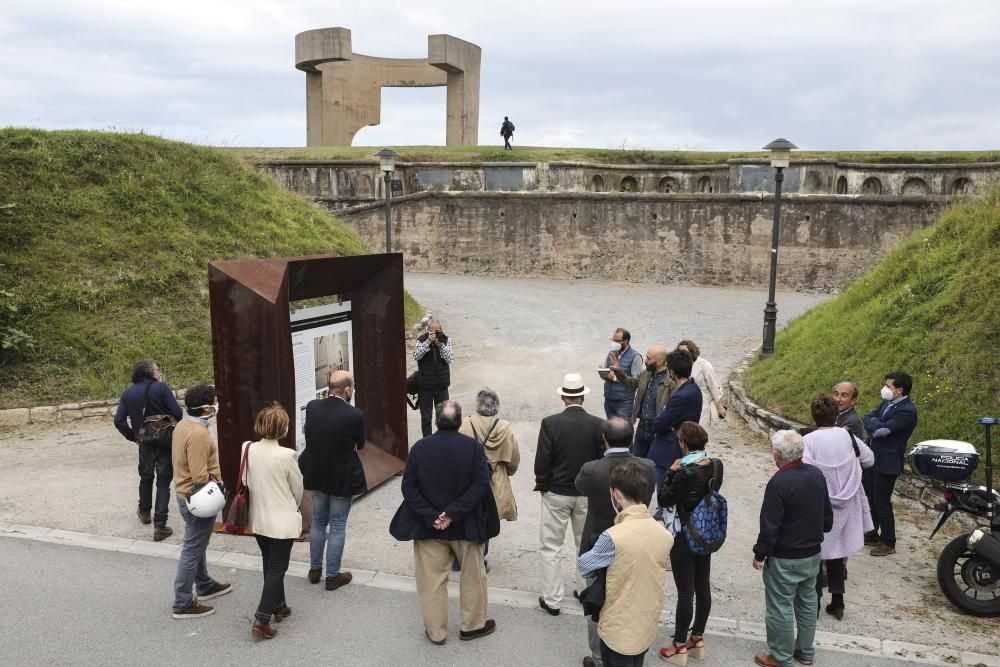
x: 968, y: 569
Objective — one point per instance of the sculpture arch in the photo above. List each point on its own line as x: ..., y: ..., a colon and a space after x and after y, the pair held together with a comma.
x: 344, y: 89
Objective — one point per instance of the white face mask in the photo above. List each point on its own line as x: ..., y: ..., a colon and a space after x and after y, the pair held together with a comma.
x: 616, y: 347
x: 216, y: 407
x: 614, y: 505
x: 886, y: 393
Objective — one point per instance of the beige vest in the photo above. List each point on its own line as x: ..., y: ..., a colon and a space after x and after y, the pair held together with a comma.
x: 635, y: 593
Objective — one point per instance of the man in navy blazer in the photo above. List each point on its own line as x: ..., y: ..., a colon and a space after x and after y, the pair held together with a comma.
x: 448, y: 511
x: 889, y: 427
x: 684, y: 405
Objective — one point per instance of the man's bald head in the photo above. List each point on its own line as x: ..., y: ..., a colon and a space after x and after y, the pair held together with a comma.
x: 342, y: 384
x: 657, y: 354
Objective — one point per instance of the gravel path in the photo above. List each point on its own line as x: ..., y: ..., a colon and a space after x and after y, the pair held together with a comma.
x: 520, y: 336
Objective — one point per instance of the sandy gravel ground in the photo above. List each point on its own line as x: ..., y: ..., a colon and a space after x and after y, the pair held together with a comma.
x: 520, y: 337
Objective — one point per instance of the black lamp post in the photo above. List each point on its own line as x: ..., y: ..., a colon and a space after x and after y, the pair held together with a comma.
x: 781, y: 153
x: 387, y: 163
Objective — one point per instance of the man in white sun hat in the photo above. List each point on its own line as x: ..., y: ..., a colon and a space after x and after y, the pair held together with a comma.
x: 566, y: 441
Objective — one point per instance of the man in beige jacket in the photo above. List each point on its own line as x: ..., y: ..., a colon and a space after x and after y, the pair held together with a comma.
x: 196, y: 461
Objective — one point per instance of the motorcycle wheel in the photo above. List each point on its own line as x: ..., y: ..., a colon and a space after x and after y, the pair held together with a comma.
x: 969, y: 583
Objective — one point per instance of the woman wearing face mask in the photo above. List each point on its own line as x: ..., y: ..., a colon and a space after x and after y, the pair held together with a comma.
x: 275, y: 483
x: 687, y: 484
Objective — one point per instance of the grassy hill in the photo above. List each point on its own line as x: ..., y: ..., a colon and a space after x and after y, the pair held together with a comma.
x: 931, y: 308
x: 105, y: 241
x: 599, y: 155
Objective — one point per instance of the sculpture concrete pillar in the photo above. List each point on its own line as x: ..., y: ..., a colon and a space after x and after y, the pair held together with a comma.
x: 344, y: 89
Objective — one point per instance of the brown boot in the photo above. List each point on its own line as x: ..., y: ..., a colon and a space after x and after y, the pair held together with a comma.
x: 314, y: 576
x: 882, y: 550
x: 766, y: 660
x: 262, y: 630
x: 161, y: 533
x: 144, y: 517
x: 342, y: 579
x: 282, y: 614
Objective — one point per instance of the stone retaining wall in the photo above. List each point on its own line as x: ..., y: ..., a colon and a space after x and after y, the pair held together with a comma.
x: 767, y: 422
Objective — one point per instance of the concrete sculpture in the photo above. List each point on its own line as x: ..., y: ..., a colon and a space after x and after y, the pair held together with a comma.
x: 343, y: 88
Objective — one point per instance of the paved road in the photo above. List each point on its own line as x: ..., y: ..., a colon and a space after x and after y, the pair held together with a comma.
x: 76, y: 606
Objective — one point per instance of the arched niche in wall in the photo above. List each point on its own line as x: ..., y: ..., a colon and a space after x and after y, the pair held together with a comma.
x: 705, y: 184
x: 597, y: 183
x: 960, y: 186
x: 668, y: 184
x: 871, y: 186
x: 628, y: 184
x: 915, y: 186
x: 842, y: 185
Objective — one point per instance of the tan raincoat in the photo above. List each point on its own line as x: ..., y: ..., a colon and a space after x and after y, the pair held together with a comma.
x: 502, y: 451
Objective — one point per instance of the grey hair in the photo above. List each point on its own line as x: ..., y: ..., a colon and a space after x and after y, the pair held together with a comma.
x: 487, y: 402
x: 448, y: 415
x: 788, y: 444
x: 433, y: 320
x: 143, y: 369
x: 854, y: 388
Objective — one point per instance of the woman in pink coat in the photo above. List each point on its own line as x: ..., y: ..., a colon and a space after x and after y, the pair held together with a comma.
x: 840, y: 456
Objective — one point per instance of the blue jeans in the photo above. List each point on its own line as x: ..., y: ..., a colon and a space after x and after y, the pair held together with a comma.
x: 191, y: 567
x: 643, y: 438
x: 332, y: 511
x: 618, y: 406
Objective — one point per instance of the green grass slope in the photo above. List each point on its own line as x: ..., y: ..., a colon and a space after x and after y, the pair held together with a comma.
x: 931, y: 308
x: 105, y: 241
x: 598, y: 155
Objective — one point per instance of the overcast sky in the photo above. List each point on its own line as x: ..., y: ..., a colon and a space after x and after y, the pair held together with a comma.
x: 655, y: 74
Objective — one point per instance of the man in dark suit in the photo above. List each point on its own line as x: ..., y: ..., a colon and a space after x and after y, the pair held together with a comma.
x: 889, y: 427
x: 332, y: 472
x: 684, y: 406
x: 448, y: 511
x: 594, y: 482
x: 566, y: 441
x: 845, y: 395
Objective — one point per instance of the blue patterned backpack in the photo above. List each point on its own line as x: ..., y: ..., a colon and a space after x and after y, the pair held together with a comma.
x: 705, y: 527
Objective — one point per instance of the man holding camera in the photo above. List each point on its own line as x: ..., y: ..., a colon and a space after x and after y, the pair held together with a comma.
x: 434, y: 356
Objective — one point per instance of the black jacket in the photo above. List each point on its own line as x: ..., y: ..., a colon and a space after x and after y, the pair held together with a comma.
x: 684, y: 405
x: 446, y: 472
x: 593, y: 481
x: 687, y: 486
x: 889, y: 451
x: 795, y: 513
x: 565, y: 442
x: 329, y: 463
x: 161, y: 402
x: 435, y: 372
x: 849, y: 419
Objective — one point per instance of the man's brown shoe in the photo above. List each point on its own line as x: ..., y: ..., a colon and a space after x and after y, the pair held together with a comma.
x: 196, y: 610
x: 802, y: 661
x: 342, y: 579
x: 487, y: 629
x: 144, y: 517
x: 882, y: 550
x: 262, y: 630
x: 766, y: 660
x: 282, y: 614
x: 161, y: 533
x: 218, y: 588
x: 315, y: 576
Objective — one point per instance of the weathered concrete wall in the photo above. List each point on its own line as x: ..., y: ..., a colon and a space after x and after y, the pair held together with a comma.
x: 345, y: 183
x: 703, y: 239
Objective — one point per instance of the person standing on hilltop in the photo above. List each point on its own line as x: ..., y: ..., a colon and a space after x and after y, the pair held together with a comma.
x: 507, y: 131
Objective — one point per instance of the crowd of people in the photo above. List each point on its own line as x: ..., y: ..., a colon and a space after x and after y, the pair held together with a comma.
x: 830, y: 496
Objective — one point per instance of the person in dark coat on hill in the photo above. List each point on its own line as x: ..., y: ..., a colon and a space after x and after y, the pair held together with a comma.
x: 684, y: 406
x: 448, y: 511
x: 332, y: 472
x: 150, y: 391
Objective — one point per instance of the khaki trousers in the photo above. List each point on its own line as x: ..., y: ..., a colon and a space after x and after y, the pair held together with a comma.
x: 432, y: 560
x: 556, y: 512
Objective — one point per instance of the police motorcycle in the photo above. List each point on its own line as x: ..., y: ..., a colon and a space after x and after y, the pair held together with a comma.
x: 968, y: 569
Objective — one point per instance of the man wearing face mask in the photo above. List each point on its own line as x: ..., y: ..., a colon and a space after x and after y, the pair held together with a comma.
x: 889, y: 426
x: 196, y: 461
x: 332, y: 473
x: 618, y: 397
x: 652, y: 391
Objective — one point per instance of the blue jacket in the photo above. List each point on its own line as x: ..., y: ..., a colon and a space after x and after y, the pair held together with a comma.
x: 684, y: 406
x: 446, y: 472
x: 161, y: 402
x: 890, y: 450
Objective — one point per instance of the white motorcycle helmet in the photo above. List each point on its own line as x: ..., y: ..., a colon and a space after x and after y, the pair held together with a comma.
x: 206, y: 501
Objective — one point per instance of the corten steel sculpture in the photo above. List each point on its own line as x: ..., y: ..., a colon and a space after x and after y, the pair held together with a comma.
x: 252, y: 348
x: 344, y: 89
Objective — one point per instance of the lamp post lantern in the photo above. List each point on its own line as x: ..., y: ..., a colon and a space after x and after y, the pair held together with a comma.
x: 387, y: 163
x: 781, y: 153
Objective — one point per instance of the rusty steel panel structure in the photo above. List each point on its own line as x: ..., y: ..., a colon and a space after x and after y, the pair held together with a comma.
x: 252, y: 348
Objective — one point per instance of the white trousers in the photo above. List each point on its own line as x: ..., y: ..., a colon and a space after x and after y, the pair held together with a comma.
x: 556, y: 512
